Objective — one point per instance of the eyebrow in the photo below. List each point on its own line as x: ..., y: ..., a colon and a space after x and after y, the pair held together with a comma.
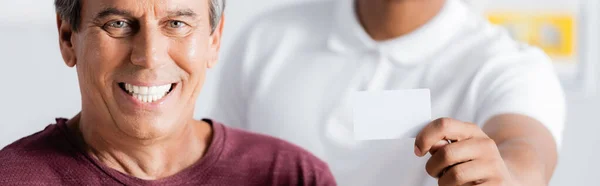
x: 182, y: 13
x: 115, y: 11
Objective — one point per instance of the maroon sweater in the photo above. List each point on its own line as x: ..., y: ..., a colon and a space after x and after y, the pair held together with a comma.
x: 235, y: 157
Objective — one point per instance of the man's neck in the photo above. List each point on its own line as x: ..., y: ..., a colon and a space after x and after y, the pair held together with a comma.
x: 389, y: 19
x: 148, y: 159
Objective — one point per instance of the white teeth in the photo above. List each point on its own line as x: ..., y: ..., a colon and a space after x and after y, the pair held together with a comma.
x: 152, y: 89
x: 148, y: 94
x: 143, y: 90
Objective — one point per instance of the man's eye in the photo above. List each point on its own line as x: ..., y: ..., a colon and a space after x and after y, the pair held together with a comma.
x: 177, y: 28
x: 118, y: 24
x: 118, y: 28
x: 176, y: 24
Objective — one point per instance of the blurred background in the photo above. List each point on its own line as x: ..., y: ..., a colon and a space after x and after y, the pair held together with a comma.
x: 38, y: 86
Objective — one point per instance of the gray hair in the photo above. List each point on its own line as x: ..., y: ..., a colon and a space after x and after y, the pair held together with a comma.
x: 70, y: 11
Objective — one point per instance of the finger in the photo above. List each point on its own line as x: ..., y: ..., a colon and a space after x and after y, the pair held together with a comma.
x: 442, y: 129
x: 459, y: 152
x: 438, y: 146
x: 468, y: 173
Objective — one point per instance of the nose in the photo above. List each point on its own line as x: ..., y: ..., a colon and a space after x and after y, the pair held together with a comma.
x: 150, y: 48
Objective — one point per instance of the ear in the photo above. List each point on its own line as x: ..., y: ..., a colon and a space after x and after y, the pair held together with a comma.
x: 215, y: 43
x: 65, y: 38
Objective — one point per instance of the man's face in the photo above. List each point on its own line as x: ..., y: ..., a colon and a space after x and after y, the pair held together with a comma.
x: 141, y: 63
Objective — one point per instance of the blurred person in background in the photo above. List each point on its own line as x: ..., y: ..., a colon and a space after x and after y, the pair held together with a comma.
x: 500, y: 104
x: 141, y: 66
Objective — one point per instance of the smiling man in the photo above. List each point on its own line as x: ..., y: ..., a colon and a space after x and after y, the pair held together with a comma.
x: 141, y: 65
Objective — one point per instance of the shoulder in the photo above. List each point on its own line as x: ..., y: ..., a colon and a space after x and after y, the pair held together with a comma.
x: 507, y: 59
x: 509, y: 76
x: 497, y: 64
x: 496, y: 45
x: 267, y: 152
x: 32, y: 145
x: 503, y: 48
x: 282, y: 162
x: 485, y: 51
x: 247, y: 142
x: 33, y: 157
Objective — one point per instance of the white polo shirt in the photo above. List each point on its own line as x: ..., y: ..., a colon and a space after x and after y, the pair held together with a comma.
x: 290, y: 72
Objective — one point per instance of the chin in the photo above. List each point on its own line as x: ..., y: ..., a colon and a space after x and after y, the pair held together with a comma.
x: 148, y: 128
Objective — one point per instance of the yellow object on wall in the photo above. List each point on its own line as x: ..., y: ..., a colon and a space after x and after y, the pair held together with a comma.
x: 555, y: 33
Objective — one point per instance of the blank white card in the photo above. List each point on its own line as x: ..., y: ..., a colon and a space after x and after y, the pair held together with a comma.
x: 392, y: 114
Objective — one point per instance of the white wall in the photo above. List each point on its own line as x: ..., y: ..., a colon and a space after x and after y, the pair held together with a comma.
x: 37, y: 86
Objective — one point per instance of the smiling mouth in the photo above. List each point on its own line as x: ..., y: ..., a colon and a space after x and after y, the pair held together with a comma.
x: 147, y: 94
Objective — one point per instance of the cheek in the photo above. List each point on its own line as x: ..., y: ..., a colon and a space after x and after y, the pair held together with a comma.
x: 191, y: 54
x: 100, y: 56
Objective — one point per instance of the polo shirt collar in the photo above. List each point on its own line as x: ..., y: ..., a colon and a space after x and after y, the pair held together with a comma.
x: 348, y: 35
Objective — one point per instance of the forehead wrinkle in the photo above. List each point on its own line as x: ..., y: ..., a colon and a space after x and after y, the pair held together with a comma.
x: 140, y: 8
x: 157, y: 7
x: 161, y: 9
x: 152, y: 9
